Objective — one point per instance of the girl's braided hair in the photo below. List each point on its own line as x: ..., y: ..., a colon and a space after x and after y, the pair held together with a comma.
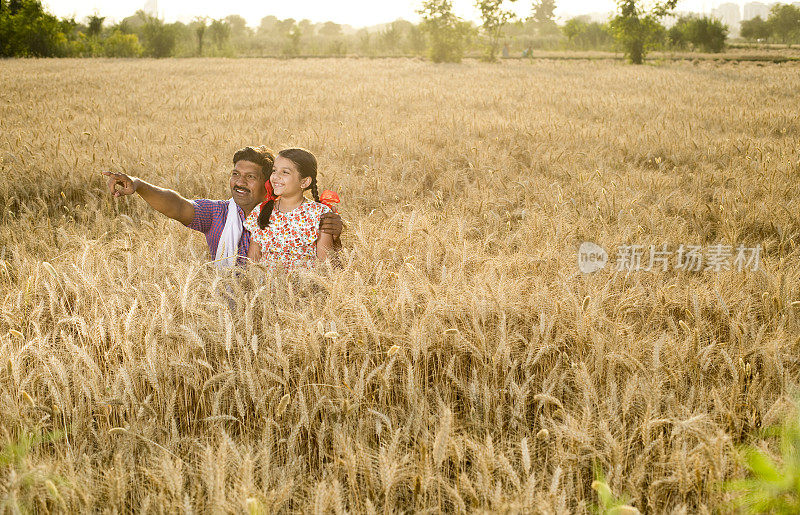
x: 306, y: 164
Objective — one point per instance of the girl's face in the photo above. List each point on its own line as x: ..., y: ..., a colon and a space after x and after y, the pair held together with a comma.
x: 285, y: 178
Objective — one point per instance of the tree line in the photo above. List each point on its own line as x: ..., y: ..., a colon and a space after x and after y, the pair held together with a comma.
x: 28, y: 30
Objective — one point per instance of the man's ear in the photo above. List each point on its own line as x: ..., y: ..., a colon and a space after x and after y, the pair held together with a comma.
x: 305, y: 183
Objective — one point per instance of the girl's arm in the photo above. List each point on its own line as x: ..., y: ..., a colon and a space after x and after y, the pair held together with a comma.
x: 254, y: 252
x: 327, y: 239
x: 324, y: 246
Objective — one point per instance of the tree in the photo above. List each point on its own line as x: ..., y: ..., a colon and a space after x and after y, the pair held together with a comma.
x: 306, y: 27
x: 574, y: 27
x: 494, y: 19
x: 200, y: 25
x: 676, y: 35
x: 755, y: 29
x: 134, y: 23
x: 27, y: 30
x: 391, y: 37
x: 122, y: 45
x: 364, y: 41
x: 708, y: 34
x: 285, y: 27
x: 220, y: 33
x: 702, y: 32
x: 292, y: 45
x: 159, y: 39
x: 543, y: 17
x: 636, y: 29
x: 237, y: 24
x: 268, y: 25
x: 416, y: 39
x: 95, y: 25
x: 784, y: 19
x: 69, y: 27
x: 446, y: 32
x: 330, y: 29
x: 583, y: 33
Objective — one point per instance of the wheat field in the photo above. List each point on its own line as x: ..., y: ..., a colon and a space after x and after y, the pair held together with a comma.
x: 458, y: 361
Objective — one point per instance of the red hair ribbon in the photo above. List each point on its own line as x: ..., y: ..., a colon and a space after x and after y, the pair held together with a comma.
x: 270, y: 192
x: 329, y: 198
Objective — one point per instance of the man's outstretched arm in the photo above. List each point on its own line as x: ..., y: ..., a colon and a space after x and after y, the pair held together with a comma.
x: 167, y: 202
x: 331, y: 223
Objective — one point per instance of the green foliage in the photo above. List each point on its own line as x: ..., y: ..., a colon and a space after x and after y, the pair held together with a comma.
x: 543, y: 17
x: 238, y: 26
x: 26, y: 30
x: 95, y: 26
x: 119, y: 44
x: 755, y: 29
x: 337, y: 47
x: 200, y: 26
x: 82, y: 46
x: 364, y: 42
x: 14, y: 452
x: 447, y: 34
x: 28, y: 486
x: 416, y: 40
x: 134, y: 24
x: 391, y: 37
x: 784, y: 21
x: 584, y: 34
x: 330, y: 29
x: 292, y: 45
x: 708, y: 34
x: 772, y: 487
x: 494, y: 18
x: 703, y: 33
x: 159, y: 39
x: 219, y: 32
x: 610, y: 504
x: 636, y: 29
x: 676, y: 35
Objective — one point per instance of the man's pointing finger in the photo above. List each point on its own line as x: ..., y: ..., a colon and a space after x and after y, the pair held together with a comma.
x: 113, y: 180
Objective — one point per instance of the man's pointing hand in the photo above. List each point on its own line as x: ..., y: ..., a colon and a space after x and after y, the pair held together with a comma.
x: 127, y: 185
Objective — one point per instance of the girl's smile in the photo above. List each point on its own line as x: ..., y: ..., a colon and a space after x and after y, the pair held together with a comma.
x: 286, y: 180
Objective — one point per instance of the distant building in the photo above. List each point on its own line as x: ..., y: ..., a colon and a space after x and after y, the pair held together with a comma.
x: 151, y: 7
x: 601, y: 17
x: 730, y: 15
x: 753, y: 9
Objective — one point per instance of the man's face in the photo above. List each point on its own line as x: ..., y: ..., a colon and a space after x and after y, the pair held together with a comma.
x: 247, y: 185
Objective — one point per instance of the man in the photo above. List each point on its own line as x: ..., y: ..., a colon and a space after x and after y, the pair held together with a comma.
x: 227, y: 241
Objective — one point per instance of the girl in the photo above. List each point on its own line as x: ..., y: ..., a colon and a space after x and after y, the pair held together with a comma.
x: 284, y: 228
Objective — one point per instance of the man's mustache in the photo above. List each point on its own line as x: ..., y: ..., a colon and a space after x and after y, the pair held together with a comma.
x: 241, y: 188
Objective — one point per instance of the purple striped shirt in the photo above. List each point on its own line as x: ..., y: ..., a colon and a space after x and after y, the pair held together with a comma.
x: 209, y: 219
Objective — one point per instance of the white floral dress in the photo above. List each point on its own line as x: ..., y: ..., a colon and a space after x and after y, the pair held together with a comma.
x: 290, y: 239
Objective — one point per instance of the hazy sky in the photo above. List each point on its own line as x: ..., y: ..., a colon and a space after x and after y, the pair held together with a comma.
x: 357, y: 13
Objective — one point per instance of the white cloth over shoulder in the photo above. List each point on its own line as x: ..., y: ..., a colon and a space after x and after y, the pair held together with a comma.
x: 228, y: 246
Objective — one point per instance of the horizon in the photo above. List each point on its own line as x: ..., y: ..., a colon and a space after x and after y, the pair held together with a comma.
x: 355, y: 13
